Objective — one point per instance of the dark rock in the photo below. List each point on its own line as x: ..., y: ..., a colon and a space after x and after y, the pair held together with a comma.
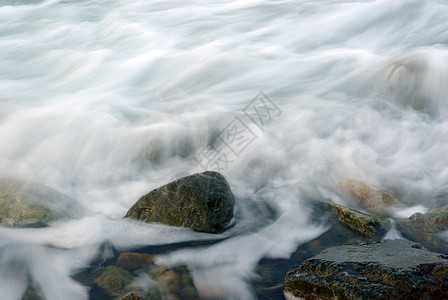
x: 203, y: 202
x: 366, y: 225
x: 113, y: 281
x: 26, y: 204
x: 369, y: 197
x: 391, y: 269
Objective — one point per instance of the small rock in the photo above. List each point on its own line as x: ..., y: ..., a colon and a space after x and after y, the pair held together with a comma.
x: 367, y: 225
x: 133, y: 261
x: 203, y: 202
x: 369, y: 197
x: 113, y: 281
x: 26, y: 204
x: 175, y: 281
x: 132, y: 296
x: 391, y: 269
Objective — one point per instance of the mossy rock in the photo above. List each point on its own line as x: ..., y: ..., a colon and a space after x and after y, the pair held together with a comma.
x: 113, y: 281
x: 364, y: 224
x: 202, y: 201
x: 25, y: 204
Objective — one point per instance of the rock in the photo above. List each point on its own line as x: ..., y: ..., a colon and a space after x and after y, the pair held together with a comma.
x: 428, y: 240
x: 133, y: 261
x: 369, y: 197
x: 366, y: 225
x: 113, y: 281
x: 433, y: 221
x: 26, y: 204
x: 132, y: 296
x: 391, y: 269
x: 422, y: 228
x: 203, y: 202
x: 175, y: 281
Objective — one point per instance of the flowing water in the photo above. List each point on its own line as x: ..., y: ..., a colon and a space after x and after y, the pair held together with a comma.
x: 107, y: 100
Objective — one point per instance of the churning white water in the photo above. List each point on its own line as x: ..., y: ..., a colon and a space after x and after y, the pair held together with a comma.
x: 107, y: 100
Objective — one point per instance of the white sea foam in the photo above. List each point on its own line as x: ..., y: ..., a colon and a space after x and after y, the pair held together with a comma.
x: 106, y: 100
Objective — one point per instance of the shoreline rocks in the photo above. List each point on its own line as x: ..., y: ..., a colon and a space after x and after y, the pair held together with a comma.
x: 202, y: 201
x: 391, y: 269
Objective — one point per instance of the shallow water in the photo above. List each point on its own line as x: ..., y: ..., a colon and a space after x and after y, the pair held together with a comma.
x: 107, y: 100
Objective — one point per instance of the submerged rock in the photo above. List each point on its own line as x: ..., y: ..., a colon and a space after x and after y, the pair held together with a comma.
x: 366, y: 225
x: 132, y: 261
x: 26, y: 204
x: 113, y: 281
x: 203, y: 202
x: 132, y: 296
x: 369, y: 197
x: 175, y: 281
x: 391, y: 269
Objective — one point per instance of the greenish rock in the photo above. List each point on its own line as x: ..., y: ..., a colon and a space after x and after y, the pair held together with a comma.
x: 391, y: 269
x: 24, y: 204
x: 202, y: 201
x: 113, y: 281
x: 371, y: 198
x: 364, y: 224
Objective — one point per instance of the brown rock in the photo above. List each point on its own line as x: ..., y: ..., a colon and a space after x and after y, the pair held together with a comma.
x: 132, y: 261
x: 433, y: 221
x: 132, y: 296
x: 369, y: 197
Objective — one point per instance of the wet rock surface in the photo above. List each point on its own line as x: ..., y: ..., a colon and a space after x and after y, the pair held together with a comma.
x: 391, y: 269
x: 27, y: 204
x: 368, y: 226
x: 371, y: 198
x: 433, y: 221
x: 202, y: 201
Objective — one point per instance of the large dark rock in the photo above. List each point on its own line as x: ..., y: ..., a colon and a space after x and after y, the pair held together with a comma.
x: 371, y: 198
x: 203, y: 202
x: 391, y: 269
x: 25, y: 204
